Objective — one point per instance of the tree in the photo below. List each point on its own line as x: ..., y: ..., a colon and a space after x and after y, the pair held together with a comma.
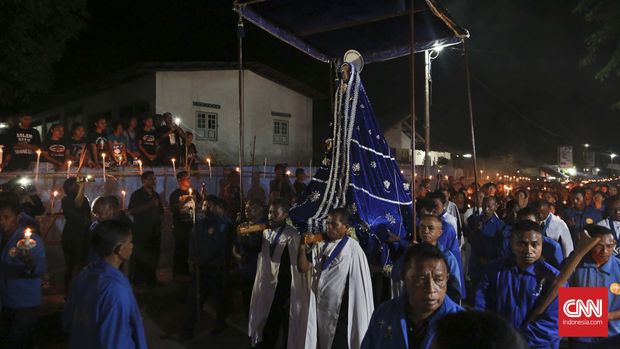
x: 605, y: 40
x: 33, y: 37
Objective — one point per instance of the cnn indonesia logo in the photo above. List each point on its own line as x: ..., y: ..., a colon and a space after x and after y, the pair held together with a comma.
x: 582, y: 312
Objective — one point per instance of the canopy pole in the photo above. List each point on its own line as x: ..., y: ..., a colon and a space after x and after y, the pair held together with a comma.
x: 471, y: 126
x: 240, y: 35
x: 413, y: 132
x: 427, y: 113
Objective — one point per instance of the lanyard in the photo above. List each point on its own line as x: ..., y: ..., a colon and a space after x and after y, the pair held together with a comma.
x: 328, y: 261
x: 613, y: 228
x: 403, y: 326
x: 546, y: 224
x: 274, y: 243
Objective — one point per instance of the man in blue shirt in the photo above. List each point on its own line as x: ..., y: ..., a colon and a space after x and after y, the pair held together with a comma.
x: 551, y: 251
x: 511, y: 287
x: 430, y: 229
x: 409, y: 321
x: 20, y: 278
x: 485, y: 237
x: 578, y: 216
x: 599, y: 269
x: 101, y: 310
x: 210, y: 251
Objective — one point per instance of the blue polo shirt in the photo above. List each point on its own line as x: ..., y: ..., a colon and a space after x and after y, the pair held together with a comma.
x: 588, y: 275
x: 589, y: 215
x: 512, y: 293
x: 486, y: 243
x: 388, y: 326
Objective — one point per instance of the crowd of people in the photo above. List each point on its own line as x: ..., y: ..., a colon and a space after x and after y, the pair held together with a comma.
x: 150, y: 140
x: 482, y: 260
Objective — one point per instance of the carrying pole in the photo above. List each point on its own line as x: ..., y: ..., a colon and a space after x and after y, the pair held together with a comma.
x: 413, y: 132
x: 471, y: 127
x: 240, y: 35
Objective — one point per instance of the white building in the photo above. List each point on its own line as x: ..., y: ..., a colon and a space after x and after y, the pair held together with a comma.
x: 204, y: 95
x: 398, y: 136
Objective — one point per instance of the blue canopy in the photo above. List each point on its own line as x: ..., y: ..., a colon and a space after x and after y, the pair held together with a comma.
x: 378, y: 29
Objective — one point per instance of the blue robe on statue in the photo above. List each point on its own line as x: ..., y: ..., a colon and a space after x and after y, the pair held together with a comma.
x: 360, y: 173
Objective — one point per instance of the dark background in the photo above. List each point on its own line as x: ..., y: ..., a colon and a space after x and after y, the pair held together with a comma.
x: 530, y: 93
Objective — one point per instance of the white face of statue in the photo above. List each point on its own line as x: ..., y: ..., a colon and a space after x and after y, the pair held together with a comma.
x: 345, y: 72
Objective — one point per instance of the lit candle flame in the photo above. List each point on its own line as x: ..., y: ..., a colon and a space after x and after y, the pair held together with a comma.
x: 55, y: 193
x: 27, y: 233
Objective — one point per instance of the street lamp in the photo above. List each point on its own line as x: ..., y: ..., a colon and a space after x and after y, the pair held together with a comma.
x: 586, y: 145
x: 612, y: 156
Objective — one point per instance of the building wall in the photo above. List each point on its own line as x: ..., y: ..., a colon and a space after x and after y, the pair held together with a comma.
x: 186, y: 93
x: 115, y: 102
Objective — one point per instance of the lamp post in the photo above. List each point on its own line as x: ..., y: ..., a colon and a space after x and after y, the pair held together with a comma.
x: 429, y: 55
x: 612, y: 156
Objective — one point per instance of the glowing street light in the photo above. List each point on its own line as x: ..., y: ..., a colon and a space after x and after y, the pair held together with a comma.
x: 586, y: 145
x: 612, y: 156
x: 467, y: 156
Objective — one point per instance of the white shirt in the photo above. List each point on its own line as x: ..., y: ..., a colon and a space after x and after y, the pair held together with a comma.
x: 557, y: 230
x: 615, y: 228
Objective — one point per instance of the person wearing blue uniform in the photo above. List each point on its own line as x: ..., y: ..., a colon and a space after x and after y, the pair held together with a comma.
x: 430, y: 229
x: 20, y: 279
x: 447, y: 239
x: 101, y: 310
x: 578, y: 216
x: 485, y: 237
x: 511, y: 287
x: 209, y: 252
x: 409, y: 321
x: 551, y: 251
x: 599, y: 269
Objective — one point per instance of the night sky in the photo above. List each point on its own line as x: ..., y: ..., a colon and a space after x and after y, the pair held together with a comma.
x: 530, y: 94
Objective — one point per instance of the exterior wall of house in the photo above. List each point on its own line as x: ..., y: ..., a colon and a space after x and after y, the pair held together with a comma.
x: 189, y: 93
x: 136, y: 96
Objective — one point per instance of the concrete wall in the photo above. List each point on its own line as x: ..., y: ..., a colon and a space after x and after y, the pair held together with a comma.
x: 177, y: 91
x: 112, y: 100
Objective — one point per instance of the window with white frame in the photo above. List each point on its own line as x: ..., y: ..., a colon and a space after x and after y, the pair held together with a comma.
x: 206, y: 125
x: 280, y: 132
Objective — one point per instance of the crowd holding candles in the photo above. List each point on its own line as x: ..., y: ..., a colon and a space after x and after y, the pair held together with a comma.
x: 469, y: 236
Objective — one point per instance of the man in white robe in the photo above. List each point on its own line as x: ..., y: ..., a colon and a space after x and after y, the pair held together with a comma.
x: 341, y: 302
x: 280, y: 294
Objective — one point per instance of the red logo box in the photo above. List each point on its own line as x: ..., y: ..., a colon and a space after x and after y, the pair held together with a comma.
x: 582, y: 312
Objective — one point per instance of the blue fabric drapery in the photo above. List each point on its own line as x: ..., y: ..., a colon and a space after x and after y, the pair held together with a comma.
x: 378, y: 29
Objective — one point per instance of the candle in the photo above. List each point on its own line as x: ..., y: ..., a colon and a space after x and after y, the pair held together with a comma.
x: 190, y: 191
x: 27, y: 235
x: 103, y: 165
x: 209, y: 163
x: 54, y: 195
x: 1, y: 155
x: 36, y: 174
x: 68, y: 168
x: 123, y: 193
x: 140, y: 166
x: 265, y: 169
x: 238, y: 169
x: 174, y: 167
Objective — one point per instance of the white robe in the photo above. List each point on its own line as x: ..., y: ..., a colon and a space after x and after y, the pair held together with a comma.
x: 265, y: 288
x: 327, y: 290
x: 558, y: 231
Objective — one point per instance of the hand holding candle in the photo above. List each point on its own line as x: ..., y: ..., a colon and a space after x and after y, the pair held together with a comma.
x: 103, y: 165
x: 36, y: 174
x: 26, y: 243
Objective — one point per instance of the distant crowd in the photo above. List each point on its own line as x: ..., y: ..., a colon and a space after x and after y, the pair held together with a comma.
x: 150, y: 141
